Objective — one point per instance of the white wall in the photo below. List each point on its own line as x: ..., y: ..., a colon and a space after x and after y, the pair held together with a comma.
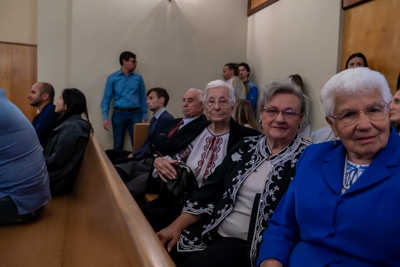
x: 179, y: 44
x: 18, y: 21
x: 185, y: 43
x: 292, y: 36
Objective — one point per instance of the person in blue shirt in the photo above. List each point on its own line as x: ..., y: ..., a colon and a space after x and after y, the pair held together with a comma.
x: 251, y: 88
x: 127, y: 89
x: 41, y: 96
x: 24, y: 182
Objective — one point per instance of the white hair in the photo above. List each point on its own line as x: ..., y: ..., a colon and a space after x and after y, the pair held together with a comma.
x: 198, y: 91
x: 353, y: 82
x: 220, y: 83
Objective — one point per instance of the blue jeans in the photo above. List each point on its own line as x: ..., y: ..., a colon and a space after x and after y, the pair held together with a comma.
x: 9, y: 212
x: 122, y: 120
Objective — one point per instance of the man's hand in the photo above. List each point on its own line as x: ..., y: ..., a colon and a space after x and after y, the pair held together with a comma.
x: 164, y: 168
x: 143, y: 121
x: 130, y: 156
x: 105, y: 125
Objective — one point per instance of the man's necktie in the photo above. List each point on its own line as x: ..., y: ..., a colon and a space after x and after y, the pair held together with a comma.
x: 152, y: 125
x: 174, y: 129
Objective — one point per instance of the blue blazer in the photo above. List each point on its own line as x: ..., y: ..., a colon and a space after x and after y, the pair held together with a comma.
x: 316, y: 225
x: 163, y: 125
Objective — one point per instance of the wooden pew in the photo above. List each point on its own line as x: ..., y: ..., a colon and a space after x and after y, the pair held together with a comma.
x: 139, y: 134
x: 98, y: 224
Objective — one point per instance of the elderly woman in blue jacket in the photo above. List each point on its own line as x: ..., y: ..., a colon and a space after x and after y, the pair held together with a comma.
x: 67, y: 142
x: 342, y: 207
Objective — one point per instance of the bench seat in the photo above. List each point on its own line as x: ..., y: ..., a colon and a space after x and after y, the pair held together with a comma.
x: 98, y: 224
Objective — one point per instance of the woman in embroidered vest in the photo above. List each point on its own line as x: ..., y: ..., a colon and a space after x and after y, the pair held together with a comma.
x: 221, y: 225
x: 209, y: 144
x: 67, y: 142
x: 343, y: 205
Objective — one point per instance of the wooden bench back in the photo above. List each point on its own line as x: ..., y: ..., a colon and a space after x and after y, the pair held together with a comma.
x: 99, y: 224
x: 139, y: 134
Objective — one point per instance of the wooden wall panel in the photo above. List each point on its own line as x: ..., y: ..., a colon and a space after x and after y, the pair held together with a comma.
x: 373, y: 28
x: 18, y: 71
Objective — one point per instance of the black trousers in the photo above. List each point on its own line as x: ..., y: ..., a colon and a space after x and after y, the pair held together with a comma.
x: 9, y: 212
x: 117, y: 156
x: 160, y: 214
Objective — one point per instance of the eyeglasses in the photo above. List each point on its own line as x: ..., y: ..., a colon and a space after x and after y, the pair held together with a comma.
x: 133, y: 61
x: 374, y: 111
x: 273, y: 113
x: 223, y: 103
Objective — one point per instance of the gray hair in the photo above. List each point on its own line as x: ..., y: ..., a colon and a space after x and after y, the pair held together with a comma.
x: 220, y: 83
x: 282, y: 86
x: 198, y: 91
x: 353, y: 82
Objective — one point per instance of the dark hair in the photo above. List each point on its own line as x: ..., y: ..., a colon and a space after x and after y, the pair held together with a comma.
x: 47, y: 88
x: 360, y: 55
x: 75, y: 101
x: 161, y: 92
x: 234, y: 67
x: 246, y: 66
x: 126, y: 56
x: 297, y: 80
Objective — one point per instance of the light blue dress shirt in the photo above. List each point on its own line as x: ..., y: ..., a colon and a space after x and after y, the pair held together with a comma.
x: 127, y: 91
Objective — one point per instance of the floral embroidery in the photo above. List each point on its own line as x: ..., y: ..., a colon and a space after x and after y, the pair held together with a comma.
x: 251, y: 155
x: 236, y: 157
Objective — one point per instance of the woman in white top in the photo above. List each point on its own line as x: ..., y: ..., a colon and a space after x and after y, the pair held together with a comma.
x: 222, y: 223
x: 204, y: 153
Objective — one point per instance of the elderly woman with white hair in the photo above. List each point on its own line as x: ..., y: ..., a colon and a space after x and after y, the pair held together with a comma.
x: 202, y: 151
x: 342, y: 206
x: 221, y: 225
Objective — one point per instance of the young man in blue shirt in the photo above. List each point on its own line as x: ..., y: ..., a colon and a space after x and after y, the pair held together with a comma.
x: 129, y: 93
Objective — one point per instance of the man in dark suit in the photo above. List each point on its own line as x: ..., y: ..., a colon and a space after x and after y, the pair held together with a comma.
x: 183, y: 128
x: 157, y: 100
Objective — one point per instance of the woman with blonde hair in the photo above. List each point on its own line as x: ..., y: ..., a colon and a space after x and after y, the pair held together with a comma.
x: 244, y: 115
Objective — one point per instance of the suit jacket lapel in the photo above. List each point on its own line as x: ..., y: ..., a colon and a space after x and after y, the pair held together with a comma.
x: 378, y: 170
x: 333, y: 168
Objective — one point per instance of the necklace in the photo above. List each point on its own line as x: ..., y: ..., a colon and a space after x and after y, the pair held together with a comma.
x: 345, y: 185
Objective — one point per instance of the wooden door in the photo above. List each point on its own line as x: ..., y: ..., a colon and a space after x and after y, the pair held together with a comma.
x: 373, y: 28
x: 18, y: 71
